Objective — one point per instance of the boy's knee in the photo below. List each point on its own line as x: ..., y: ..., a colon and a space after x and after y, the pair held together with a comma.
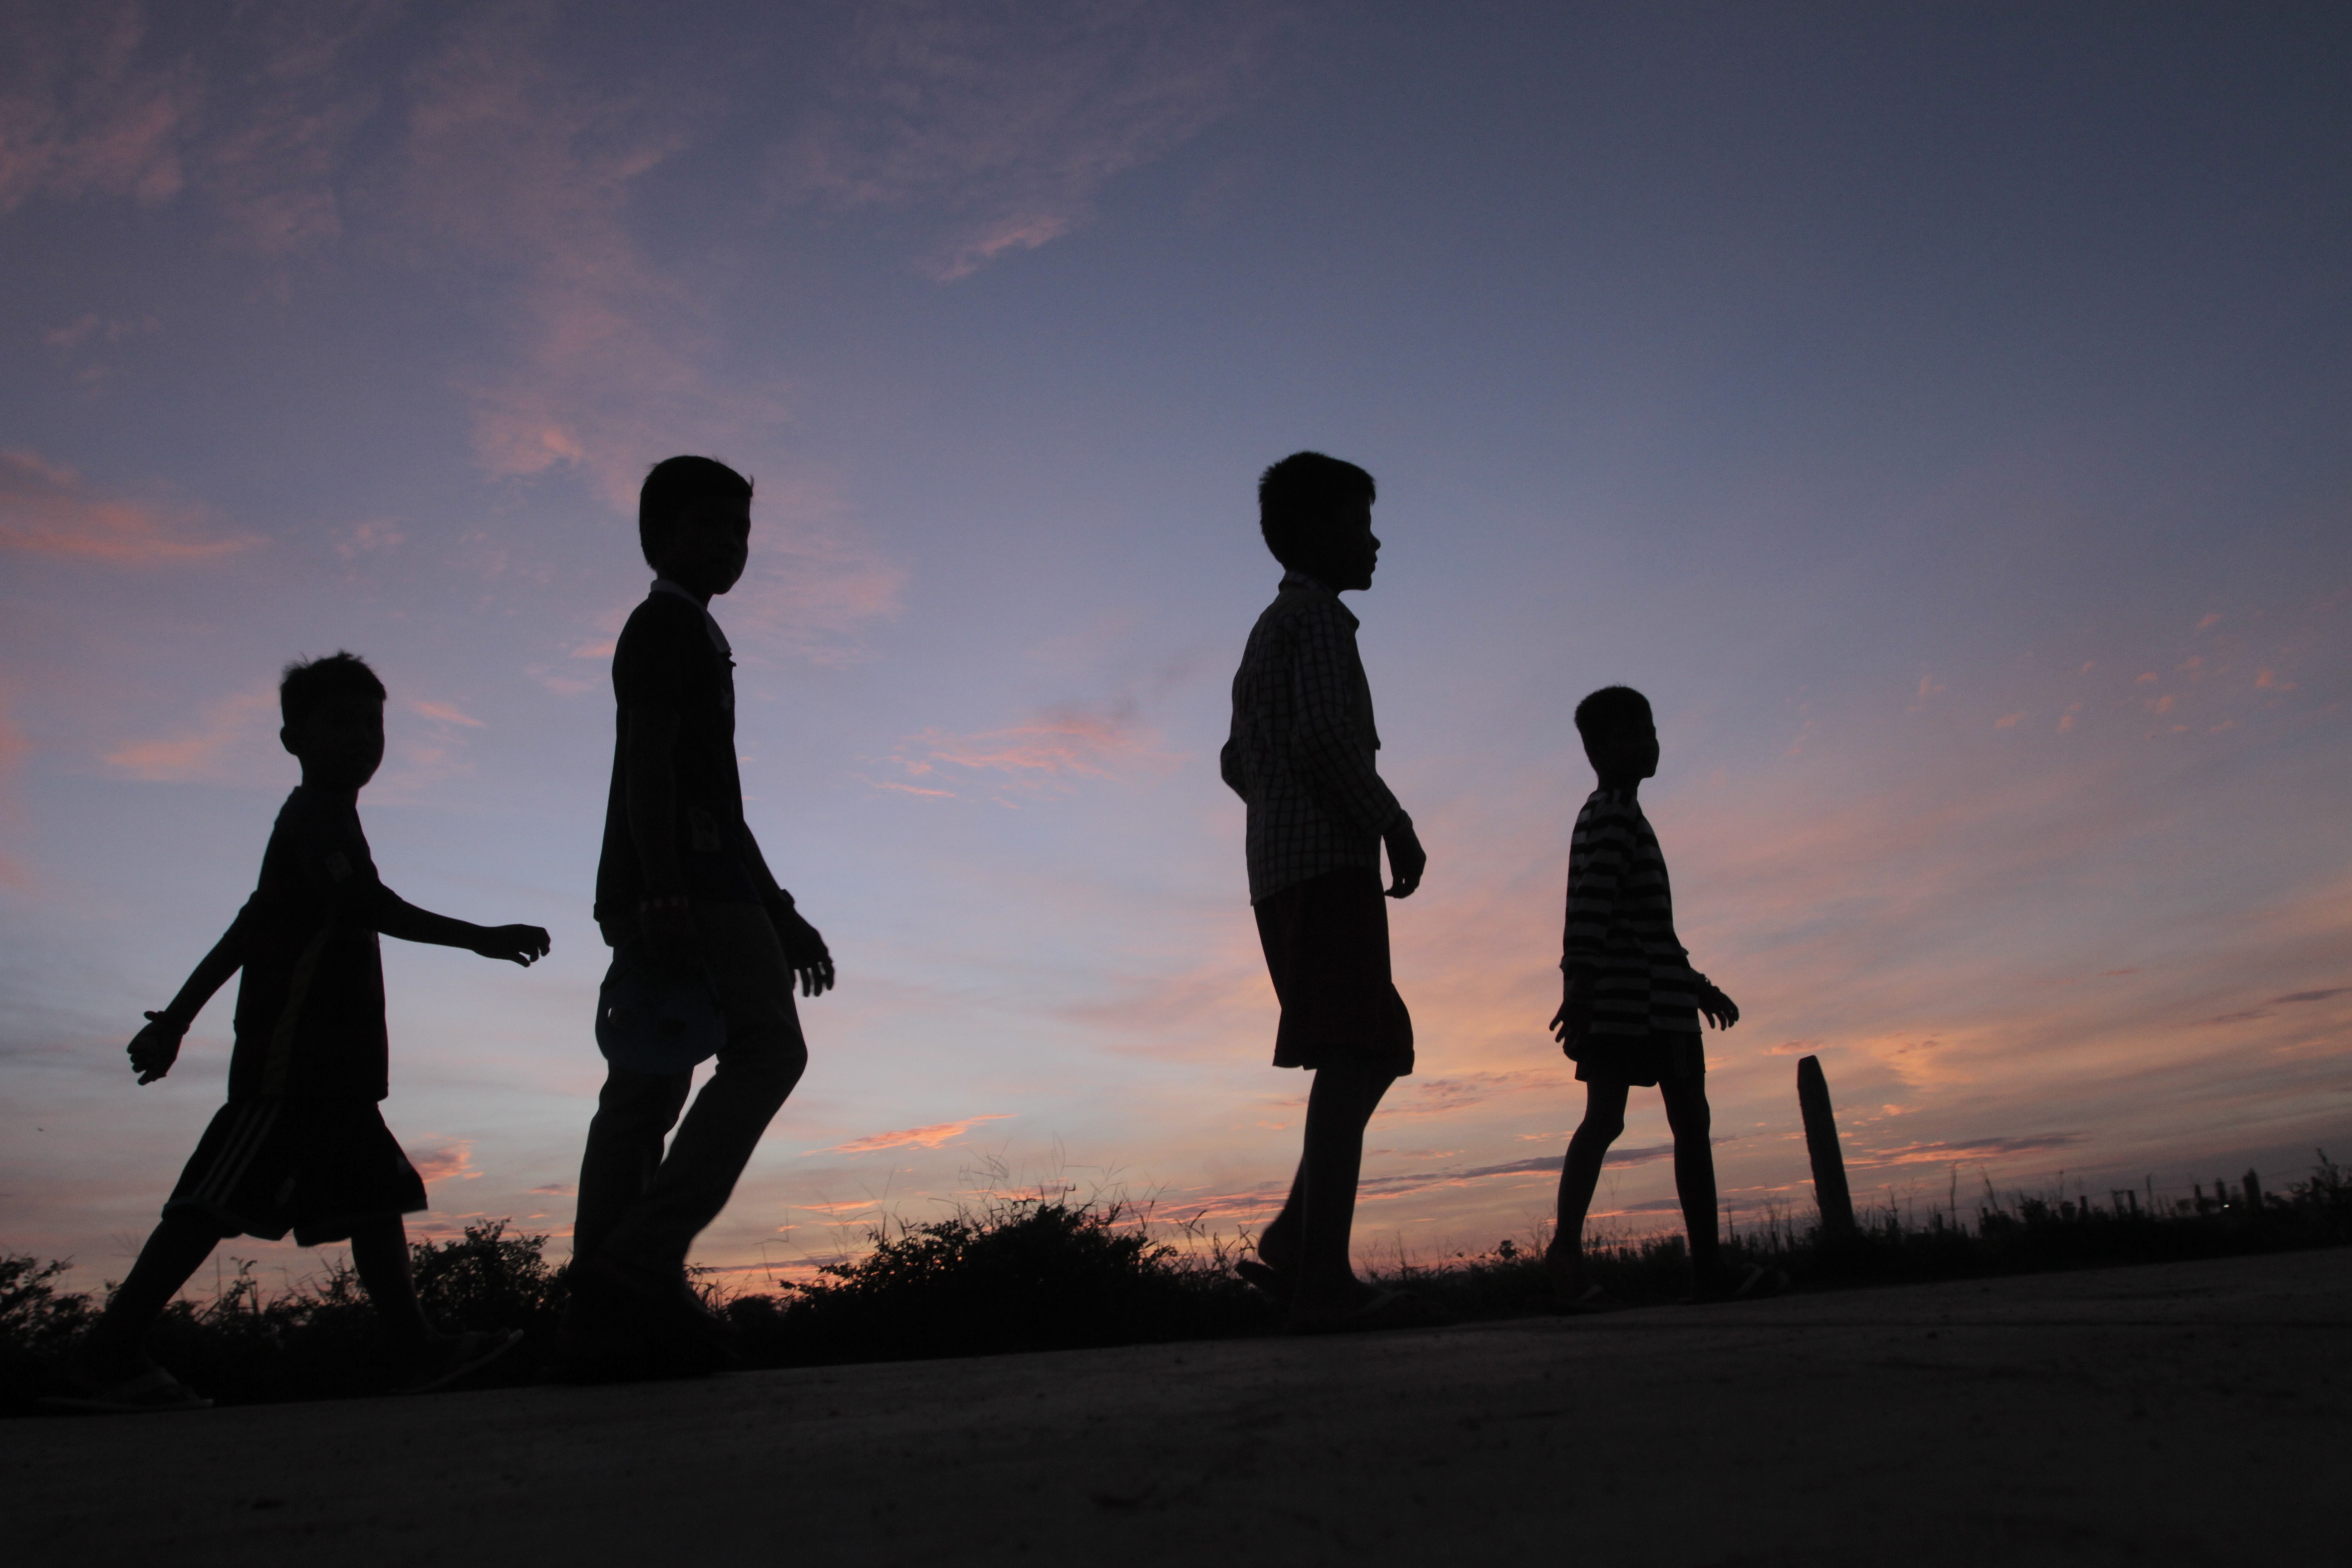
x: 1687, y: 1114
x: 1602, y: 1129
x: 773, y: 1069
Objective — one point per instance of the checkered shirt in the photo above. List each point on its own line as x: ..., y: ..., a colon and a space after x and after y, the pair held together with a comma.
x: 1301, y: 749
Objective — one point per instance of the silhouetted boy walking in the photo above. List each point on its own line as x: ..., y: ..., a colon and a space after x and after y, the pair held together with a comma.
x: 1301, y: 755
x: 682, y: 893
x: 301, y: 1145
x: 1630, y: 1005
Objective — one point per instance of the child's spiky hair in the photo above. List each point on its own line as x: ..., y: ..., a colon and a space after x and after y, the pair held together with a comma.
x: 308, y: 682
x: 1610, y: 708
x: 673, y: 487
x: 1298, y: 500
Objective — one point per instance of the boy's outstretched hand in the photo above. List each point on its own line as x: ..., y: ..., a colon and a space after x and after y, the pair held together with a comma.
x: 1407, y: 858
x: 1716, y: 1008
x: 154, y: 1048
x: 805, y: 950
x: 516, y: 944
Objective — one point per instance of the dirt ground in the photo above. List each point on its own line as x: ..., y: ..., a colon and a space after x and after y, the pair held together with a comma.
x: 2182, y: 1413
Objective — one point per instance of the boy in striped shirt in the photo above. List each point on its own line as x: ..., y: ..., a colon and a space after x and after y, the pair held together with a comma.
x: 1631, y: 1004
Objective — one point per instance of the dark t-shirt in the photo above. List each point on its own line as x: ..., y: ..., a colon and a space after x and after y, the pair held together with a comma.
x: 667, y: 662
x: 310, y: 1011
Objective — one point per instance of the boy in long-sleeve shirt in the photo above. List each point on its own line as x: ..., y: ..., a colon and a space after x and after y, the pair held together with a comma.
x: 1302, y: 756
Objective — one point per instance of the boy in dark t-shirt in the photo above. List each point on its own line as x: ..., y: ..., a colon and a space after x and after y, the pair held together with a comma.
x: 301, y: 1145
x: 684, y: 897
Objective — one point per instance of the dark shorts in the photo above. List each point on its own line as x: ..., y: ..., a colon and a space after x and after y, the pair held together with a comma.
x: 268, y: 1167
x: 1326, y: 949
x: 1639, y: 1059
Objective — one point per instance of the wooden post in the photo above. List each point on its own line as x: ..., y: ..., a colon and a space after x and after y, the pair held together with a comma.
x: 1829, y: 1192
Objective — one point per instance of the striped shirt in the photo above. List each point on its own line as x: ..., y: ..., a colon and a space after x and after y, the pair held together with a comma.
x: 1620, y: 938
x: 1301, y: 751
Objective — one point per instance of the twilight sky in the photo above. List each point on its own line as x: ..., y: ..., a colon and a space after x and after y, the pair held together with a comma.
x: 1939, y: 410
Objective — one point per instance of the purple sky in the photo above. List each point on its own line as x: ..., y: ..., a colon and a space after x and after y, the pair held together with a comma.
x: 1939, y: 410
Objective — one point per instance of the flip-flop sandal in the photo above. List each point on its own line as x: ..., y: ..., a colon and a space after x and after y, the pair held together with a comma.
x: 1386, y: 1309
x: 143, y: 1393
x: 469, y: 1352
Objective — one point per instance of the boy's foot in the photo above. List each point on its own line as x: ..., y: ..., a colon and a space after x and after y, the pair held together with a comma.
x: 144, y: 1392
x: 444, y: 1360
x: 1379, y: 1311
x: 1742, y: 1282
x: 624, y: 1323
x: 1266, y: 1277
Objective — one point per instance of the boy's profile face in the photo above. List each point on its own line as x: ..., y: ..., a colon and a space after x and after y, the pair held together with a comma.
x: 708, y: 545
x: 340, y: 742
x: 1350, y: 549
x: 1624, y: 753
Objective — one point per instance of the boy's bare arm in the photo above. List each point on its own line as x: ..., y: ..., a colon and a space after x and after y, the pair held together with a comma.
x: 157, y: 1047
x: 515, y: 943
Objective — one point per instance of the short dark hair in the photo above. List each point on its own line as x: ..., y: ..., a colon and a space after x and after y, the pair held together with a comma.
x: 1609, y: 709
x: 673, y: 485
x: 1297, y: 498
x: 309, y: 682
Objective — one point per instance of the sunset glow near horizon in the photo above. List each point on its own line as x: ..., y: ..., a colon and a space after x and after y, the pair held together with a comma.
x: 1940, y: 412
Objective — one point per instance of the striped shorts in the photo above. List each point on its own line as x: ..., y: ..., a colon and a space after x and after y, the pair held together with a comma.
x: 314, y: 1167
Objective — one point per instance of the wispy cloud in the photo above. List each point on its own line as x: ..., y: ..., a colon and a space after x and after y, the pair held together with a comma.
x: 930, y: 1137
x: 84, y: 112
x: 451, y: 1161
x: 444, y: 713
x: 1050, y: 752
x: 231, y: 743
x: 1008, y: 120
x: 1965, y: 1150
x: 49, y: 510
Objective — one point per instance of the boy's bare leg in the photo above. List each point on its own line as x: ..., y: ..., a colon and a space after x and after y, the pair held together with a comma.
x: 380, y: 1253
x: 1321, y: 1213
x: 1579, y: 1174
x: 1277, y: 1243
x: 175, y: 1249
x: 1691, y: 1121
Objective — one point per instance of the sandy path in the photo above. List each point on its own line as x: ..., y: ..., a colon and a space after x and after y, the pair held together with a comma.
x: 2185, y: 1413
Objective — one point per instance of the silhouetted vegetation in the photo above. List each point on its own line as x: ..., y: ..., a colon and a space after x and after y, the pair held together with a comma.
x: 1047, y: 1273
x: 1894, y: 1245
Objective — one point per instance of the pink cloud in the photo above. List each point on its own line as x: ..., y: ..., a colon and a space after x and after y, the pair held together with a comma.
x: 445, y: 714
x: 47, y: 509
x: 88, y: 115
x: 929, y: 1137
x: 1065, y: 745
x: 450, y: 1162
x: 234, y: 742
x: 1978, y: 1149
